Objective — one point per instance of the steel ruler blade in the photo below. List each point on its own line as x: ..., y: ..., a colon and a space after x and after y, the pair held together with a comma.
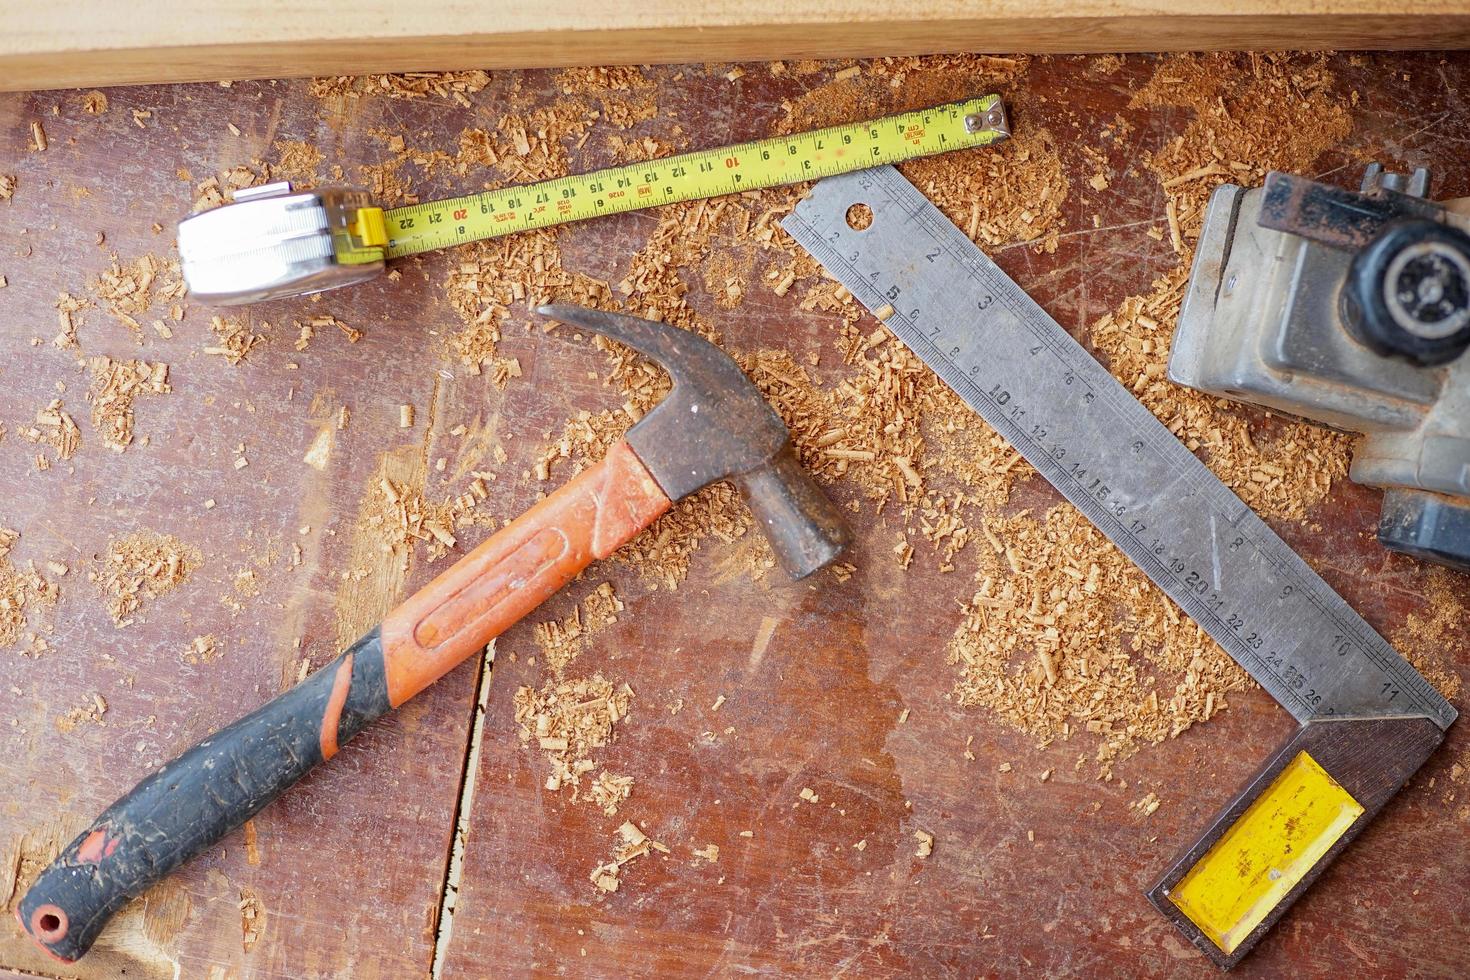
x: 1105, y: 452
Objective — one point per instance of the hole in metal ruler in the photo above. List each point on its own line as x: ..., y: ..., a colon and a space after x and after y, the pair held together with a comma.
x: 859, y: 217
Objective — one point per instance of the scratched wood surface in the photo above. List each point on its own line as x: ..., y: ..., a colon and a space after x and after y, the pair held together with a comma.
x: 347, y: 873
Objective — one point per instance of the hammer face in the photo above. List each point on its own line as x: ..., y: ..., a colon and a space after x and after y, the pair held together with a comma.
x: 716, y: 425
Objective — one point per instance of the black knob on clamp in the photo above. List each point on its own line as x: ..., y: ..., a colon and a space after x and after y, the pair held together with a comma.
x: 1407, y: 294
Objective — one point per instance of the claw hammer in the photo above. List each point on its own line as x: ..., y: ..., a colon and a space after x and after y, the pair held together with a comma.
x: 714, y: 425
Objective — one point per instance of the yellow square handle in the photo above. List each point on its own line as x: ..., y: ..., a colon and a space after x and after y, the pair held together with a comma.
x: 1268, y: 851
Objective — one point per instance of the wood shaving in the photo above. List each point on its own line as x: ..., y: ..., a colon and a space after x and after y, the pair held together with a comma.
x: 306, y: 330
x: 926, y: 843
x: 129, y: 291
x: 560, y: 641
x: 298, y: 162
x: 634, y: 844
x: 141, y: 567
x: 1005, y: 194
x: 409, y: 86
x: 24, y: 595
x: 89, y: 712
x: 67, y: 306
x: 116, y: 385
x: 491, y: 277
x: 1146, y: 806
x: 609, y: 791
x: 624, y: 94
x: 1049, y: 640
x: 204, y: 649
x: 1426, y: 636
x: 402, y: 518
x: 7, y: 186
x: 54, y: 426
x: 234, y: 338
x: 569, y: 719
x: 252, y: 919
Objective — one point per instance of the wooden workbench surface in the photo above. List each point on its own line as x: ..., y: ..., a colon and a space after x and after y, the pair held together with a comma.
x: 838, y: 685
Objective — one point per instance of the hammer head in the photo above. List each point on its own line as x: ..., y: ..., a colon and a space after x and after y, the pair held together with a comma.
x: 715, y: 425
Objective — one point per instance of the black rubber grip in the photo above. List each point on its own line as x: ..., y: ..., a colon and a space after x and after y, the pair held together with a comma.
x: 200, y: 797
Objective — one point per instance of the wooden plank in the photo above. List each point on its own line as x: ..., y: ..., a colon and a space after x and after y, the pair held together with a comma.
x: 98, y: 43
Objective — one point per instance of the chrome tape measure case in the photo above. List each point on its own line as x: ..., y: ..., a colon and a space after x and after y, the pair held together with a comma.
x: 273, y: 242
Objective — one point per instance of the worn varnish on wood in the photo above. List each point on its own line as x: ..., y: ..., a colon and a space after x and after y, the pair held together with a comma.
x: 809, y: 732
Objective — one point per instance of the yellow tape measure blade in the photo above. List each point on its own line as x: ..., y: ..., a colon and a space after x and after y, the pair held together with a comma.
x: 701, y: 174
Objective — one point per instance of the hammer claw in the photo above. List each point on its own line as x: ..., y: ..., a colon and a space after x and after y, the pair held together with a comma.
x: 716, y: 425
x: 654, y: 341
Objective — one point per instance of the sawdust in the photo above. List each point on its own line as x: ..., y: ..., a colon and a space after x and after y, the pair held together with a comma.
x: 568, y: 720
x: 634, y: 844
x: 204, y: 649
x: 252, y: 918
x: 1060, y: 635
x: 220, y: 189
x: 1039, y: 648
x: 67, y: 306
x: 999, y: 195
x: 1280, y: 468
x: 306, y: 330
x: 385, y: 184
x: 234, y: 338
x: 116, y: 385
x: 140, y: 567
x: 25, y: 596
x: 55, y: 427
x: 409, y: 86
x: 401, y: 518
x: 519, y: 271
x: 7, y: 186
x: 298, y: 162
x: 89, y: 712
x: 624, y: 94
x: 562, y: 640
x: 94, y: 103
x: 726, y: 279
x: 1426, y: 637
x: 129, y: 291
x: 493, y: 277
x: 533, y: 146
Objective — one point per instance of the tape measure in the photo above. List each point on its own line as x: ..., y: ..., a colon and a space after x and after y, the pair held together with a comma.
x: 274, y: 242
x: 1369, y: 720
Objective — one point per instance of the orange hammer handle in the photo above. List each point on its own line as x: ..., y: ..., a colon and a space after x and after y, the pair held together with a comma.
x: 226, y: 778
x: 517, y: 569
